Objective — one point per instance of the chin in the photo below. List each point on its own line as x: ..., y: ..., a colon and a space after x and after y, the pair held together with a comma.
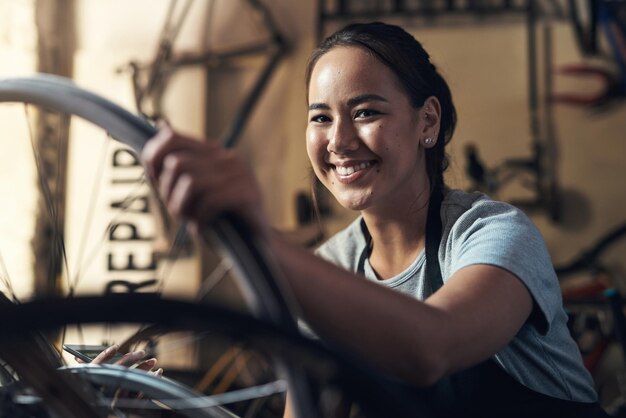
x: 351, y: 204
x: 355, y: 199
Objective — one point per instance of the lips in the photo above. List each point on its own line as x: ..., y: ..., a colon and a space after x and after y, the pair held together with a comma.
x: 348, y: 172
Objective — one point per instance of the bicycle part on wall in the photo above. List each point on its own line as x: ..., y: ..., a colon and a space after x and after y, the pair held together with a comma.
x: 595, y: 306
x: 605, y: 17
x: 541, y: 165
x: 430, y: 12
x: 150, y: 80
x: 537, y: 172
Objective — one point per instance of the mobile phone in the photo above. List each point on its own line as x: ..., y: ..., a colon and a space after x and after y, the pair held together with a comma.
x: 87, y: 353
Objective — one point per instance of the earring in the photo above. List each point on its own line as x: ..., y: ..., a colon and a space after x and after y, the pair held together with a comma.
x: 428, y: 141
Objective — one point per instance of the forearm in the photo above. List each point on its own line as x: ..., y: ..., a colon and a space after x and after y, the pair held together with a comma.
x: 384, y: 327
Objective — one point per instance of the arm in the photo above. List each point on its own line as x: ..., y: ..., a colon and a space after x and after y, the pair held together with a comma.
x: 480, y: 310
x: 477, y: 312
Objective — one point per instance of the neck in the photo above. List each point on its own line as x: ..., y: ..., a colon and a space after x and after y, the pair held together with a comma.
x: 397, y: 237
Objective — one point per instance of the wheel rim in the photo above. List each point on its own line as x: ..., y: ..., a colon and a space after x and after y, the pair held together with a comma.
x: 264, y: 288
x: 264, y: 297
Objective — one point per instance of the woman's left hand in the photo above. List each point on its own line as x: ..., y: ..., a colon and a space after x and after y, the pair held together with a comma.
x: 135, y: 358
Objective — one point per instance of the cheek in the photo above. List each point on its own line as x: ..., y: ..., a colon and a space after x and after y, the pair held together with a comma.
x: 377, y: 136
x: 315, y: 147
x: 371, y: 132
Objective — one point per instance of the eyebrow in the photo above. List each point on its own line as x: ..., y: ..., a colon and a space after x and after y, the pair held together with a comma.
x: 365, y: 98
x: 318, y: 106
x: 355, y: 101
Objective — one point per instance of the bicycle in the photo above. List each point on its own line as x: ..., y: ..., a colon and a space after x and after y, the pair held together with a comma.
x: 597, y: 320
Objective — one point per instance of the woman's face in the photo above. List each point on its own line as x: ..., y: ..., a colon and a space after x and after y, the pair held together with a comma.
x: 363, y: 135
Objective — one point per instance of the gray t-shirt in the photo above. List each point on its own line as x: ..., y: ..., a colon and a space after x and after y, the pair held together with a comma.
x: 478, y: 230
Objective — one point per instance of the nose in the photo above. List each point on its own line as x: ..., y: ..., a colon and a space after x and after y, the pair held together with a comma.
x: 342, y: 137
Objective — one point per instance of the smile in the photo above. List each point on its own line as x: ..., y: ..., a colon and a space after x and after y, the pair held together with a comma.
x: 349, y: 170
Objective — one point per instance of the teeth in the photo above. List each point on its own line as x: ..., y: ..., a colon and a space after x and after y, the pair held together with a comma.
x: 346, y: 171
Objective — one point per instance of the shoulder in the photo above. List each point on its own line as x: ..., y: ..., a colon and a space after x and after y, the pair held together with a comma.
x: 477, y: 225
x: 346, y: 246
x: 457, y: 202
x: 469, y: 212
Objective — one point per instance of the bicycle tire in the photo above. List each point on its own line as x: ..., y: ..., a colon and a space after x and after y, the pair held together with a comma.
x: 257, y: 277
x: 377, y: 394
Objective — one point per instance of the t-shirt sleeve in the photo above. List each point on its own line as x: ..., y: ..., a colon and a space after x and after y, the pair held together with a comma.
x: 344, y: 248
x: 499, y: 234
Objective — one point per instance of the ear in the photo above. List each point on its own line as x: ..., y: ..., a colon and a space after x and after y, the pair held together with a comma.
x: 430, y: 120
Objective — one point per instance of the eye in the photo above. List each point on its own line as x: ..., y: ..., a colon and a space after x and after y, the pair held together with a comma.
x: 320, y: 118
x: 364, y: 113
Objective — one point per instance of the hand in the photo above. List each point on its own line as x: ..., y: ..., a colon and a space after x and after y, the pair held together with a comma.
x: 129, y: 359
x: 198, y: 180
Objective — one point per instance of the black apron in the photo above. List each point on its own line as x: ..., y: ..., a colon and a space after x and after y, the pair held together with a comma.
x: 486, y: 390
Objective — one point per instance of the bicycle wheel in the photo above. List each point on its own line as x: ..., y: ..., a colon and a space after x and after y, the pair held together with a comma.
x: 239, y: 251
x: 334, y: 375
x: 61, y: 95
x: 245, y: 363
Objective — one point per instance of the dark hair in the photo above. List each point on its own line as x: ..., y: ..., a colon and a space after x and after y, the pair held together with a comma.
x: 408, y: 60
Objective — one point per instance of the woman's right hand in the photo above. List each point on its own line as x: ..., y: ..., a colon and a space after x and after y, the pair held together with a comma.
x: 198, y: 180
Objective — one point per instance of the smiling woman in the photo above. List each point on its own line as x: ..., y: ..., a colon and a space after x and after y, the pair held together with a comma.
x: 450, y: 292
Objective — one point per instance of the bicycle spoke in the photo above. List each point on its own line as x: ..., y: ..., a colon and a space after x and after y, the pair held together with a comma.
x: 5, y: 280
x: 86, y: 229
x: 51, y: 205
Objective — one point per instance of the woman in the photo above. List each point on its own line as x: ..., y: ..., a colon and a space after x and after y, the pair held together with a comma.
x: 459, y: 294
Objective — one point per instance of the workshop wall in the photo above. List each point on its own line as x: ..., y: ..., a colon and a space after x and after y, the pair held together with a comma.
x: 485, y: 65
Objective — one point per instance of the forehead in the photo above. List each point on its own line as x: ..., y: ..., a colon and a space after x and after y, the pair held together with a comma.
x: 351, y: 71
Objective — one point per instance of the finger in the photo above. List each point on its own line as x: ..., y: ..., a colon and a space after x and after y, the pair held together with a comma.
x: 184, y: 195
x: 131, y: 358
x: 162, y: 124
x: 147, y: 365
x: 79, y: 361
x: 193, y: 185
x: 154, y: 151
x: 191, y: 168
x: 166, y: 142
x: 177, y: 168
x: 193, y: 229
x: 158, y: 372
x: 244, y: 199
x: 106, y: 355
x: 197, y: 193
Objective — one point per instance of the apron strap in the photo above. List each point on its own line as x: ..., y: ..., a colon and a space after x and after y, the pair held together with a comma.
x: 433, y: 240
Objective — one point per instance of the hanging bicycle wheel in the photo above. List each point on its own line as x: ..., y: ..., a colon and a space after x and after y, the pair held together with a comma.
x: 60, y: 96
x: 238, y: 257
x: 231, y: 361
